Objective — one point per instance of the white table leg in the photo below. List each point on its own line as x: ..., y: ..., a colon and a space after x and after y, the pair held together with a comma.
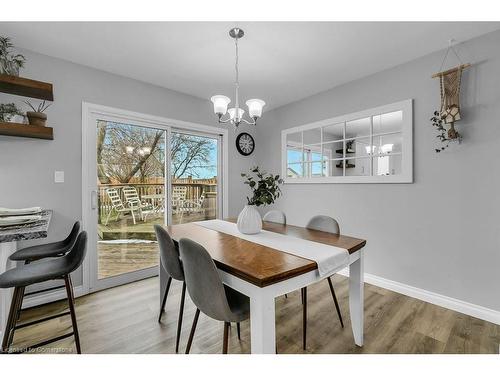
x: 356, y: 298
x: 6, y: 249
x: 262, y: 324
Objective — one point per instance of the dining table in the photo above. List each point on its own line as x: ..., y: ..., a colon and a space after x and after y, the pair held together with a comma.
x: 263, y: 271
x: 9, y: 239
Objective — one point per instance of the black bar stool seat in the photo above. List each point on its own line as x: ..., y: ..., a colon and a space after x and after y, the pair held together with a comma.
x: 53, y: 249
x: 33, y: 273
x: 44, y: 270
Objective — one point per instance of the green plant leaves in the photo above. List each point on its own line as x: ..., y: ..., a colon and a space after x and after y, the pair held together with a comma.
x: 265, y: 190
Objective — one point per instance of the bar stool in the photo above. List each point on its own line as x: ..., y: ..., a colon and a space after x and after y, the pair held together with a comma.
x: 28, y: 274
x: 48, y: 250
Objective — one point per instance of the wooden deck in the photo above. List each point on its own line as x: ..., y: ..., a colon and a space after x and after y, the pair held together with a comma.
x: 120, y: 258
x: 125, y: 228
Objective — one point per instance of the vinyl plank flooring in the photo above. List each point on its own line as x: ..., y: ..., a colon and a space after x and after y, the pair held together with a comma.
x: 124, y: 320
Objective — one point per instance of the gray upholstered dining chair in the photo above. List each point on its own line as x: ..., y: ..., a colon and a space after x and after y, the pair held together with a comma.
x: 210, y: 296
x: 171, y: 263
x: 325, y: 224
x: 25, y: 275
x: 275, y: 216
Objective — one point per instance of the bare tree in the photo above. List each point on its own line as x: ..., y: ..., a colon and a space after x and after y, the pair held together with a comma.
x: 125, y: 152
x: 190, y: 154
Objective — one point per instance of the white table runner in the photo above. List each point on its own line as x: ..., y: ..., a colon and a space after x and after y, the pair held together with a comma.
x: 328, y: 258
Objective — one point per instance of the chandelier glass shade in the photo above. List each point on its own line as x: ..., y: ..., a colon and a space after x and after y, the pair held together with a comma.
x: 221, y: 102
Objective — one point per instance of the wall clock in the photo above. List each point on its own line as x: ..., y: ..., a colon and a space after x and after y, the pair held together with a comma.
x: 245, y: 144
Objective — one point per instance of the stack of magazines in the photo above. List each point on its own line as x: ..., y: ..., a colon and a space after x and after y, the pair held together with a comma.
x: 19, y: 216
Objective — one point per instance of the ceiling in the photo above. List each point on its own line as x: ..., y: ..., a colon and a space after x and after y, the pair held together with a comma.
x: 280, y: 62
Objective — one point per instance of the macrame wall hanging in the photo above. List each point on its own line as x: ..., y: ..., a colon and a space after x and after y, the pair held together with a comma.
x: 449, y: 113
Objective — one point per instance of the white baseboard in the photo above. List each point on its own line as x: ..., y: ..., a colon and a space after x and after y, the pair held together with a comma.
x: 42, y: 298
x: 463, y: 307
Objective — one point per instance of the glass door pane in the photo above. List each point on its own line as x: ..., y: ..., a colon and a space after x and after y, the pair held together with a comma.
x: 195, y: 177
x: 131, y: 199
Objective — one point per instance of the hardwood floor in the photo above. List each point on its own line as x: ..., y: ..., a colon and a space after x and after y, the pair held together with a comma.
x: 124, y: 320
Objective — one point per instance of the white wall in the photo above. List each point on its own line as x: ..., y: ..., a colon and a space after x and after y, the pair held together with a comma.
x: 27, y: 165
x: 441, y: 233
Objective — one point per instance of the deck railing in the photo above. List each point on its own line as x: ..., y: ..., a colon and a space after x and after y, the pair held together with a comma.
x: 194, y: 191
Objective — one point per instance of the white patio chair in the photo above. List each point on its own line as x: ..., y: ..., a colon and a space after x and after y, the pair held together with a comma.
x: 116, y: 205
x: 178, y: 198
x: 194, y: 205
x: 134, y: 203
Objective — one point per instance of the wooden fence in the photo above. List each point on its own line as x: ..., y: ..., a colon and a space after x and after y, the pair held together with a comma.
x: 195, y: 188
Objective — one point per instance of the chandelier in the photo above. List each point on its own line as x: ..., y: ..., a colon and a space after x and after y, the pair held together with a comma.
x: 221, y: 102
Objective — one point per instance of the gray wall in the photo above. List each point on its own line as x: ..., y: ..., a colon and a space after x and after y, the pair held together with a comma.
x: 440, y: 233
x: 27, y: 165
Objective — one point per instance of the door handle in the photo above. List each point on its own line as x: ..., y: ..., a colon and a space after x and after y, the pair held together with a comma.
x: 93, y: 199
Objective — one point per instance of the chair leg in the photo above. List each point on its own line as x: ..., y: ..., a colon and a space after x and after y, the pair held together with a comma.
x: 193, y: 328
x: 179, y: 322
x: 238, y: 329
x: 226, y: 338
x: 133, y: 216
x: 107, y: 217
x: 69, y: 292
x: 164, y: 301
x: 11, y: 320
x: 336, y: 302
x: 304, y: 317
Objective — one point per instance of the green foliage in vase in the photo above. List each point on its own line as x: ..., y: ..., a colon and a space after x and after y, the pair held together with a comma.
x: 265, y: 187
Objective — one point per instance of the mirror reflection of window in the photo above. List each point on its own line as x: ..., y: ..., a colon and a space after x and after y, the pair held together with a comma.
x: 370, y: 144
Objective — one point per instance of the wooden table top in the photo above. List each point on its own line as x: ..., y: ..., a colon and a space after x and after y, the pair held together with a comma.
x: 255, y: 263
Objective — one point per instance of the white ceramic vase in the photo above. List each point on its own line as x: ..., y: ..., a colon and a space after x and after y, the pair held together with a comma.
x: 249, y: 220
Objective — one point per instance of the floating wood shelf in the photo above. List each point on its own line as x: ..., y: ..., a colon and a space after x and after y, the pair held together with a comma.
x: 27, y: 131
x: 26, y: 87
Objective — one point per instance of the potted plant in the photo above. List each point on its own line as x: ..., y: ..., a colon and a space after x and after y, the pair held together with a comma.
x: 37, y: 117
x: 9, y: 63
x: 10, y: 113
x: 265, y: 190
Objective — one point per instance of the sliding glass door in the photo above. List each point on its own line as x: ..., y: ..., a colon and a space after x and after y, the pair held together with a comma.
x: 146, y: 175
x: 195, y: 177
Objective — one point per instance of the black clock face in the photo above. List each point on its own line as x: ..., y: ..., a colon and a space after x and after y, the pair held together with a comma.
x: 245, y: 144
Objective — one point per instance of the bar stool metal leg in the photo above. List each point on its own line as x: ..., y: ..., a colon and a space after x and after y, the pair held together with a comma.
x: 71, y: 298
x: 17, y: 300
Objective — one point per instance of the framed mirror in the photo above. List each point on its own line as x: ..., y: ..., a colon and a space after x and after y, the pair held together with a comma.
x: 370, y: 146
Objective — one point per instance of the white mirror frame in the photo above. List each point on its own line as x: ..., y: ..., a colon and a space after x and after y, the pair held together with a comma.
x: 406, y: 106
